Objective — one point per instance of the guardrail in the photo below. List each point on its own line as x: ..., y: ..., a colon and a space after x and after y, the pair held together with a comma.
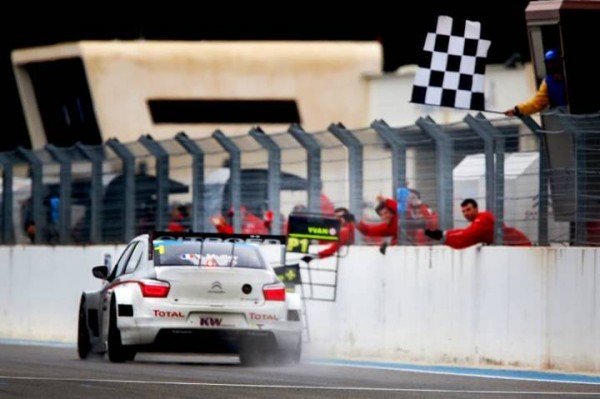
x: 111, y: 192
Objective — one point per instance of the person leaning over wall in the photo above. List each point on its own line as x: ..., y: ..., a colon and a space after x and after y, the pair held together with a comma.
x: 480, y: 231
x: 387, y: 209
x: 346, y: 236
x: 419, y: 216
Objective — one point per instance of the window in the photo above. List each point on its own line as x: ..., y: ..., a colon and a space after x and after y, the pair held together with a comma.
x: 224, y: 111
x: 248, y: 256
x: 118, y: 269
x: 136, y: 258
x: 209, y: 254
x: 64, y: 102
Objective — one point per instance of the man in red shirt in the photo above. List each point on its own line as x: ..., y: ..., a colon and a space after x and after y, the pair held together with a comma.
x: 179, y: 216
x: 387, y: 209
x: 419, y: 217
x: 251, y: 224
x: 481, y: 230
x: 346, y: 235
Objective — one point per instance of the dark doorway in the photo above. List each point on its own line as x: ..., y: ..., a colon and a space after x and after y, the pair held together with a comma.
x: 64, y: 102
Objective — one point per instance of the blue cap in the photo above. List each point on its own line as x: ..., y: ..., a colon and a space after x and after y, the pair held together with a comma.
x: 552, y: 55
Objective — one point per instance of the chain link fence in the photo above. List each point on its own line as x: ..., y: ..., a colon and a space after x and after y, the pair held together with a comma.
x: 544, y: 183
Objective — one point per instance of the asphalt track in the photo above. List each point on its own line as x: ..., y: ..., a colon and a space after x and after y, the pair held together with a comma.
x: 56, y: 372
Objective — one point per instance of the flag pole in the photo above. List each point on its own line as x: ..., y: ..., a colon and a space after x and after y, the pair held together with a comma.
x: 491, y: 111
x: 462, y: 109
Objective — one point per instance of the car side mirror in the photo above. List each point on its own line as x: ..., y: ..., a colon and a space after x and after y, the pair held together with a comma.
x: 100, y: 272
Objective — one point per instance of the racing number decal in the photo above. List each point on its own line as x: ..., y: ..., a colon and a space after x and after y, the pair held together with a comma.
x: 298, y: 245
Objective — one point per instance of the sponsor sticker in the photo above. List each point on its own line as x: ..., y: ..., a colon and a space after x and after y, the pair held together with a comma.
x: 219, y: 260
x: 209, y: 260
x: 262, y: 316
x: 168, y: 314
x: 211, y: 321
x: 207, y: 320
x: 194, y: 259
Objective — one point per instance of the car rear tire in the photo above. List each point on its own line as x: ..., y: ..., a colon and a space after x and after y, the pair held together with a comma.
x: 296, y: 354
x: 257, y: 352
x: 249, y: 356
x: 291, y: 356
x: 83, y: 335
x: 117, y: 352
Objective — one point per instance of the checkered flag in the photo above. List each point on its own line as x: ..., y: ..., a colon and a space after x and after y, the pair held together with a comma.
x: 452, y: 71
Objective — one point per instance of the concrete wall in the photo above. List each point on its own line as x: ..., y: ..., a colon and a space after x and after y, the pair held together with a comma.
x: 40, y: 289
x: 525, y: 307
x: 533, y: 307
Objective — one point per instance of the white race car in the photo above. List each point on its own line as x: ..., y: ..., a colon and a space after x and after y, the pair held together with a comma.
x: 186, y: 292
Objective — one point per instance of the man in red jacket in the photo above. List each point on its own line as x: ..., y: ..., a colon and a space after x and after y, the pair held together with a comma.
x: 251, y: 224
x: 387, y: 209
x: 419, y: 217
x: 481, y: 229
x: 346, y: 235
x: 179, y: 215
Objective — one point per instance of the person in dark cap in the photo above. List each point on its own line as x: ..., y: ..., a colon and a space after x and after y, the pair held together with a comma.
x: 551, y: 91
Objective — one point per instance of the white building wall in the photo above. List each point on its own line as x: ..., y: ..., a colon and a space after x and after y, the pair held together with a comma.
x: 389, y: 95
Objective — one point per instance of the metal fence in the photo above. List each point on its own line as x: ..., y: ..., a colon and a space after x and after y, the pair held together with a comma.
x: 543, y: 182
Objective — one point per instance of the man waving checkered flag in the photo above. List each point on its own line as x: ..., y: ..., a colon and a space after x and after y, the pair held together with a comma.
x: 451, y: 72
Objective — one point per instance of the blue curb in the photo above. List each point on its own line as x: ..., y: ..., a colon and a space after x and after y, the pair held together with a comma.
x: 526, y: 375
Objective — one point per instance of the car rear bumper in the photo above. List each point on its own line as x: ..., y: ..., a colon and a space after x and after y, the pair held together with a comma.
x: 182, y: 336
x: 208, y: 341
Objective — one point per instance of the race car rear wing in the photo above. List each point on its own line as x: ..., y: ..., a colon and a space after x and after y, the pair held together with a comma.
x: 258, y: 239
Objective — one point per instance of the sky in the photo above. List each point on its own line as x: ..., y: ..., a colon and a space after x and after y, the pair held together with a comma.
x: 400, y: 29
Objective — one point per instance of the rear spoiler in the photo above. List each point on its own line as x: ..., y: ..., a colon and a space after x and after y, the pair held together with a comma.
x: 260, y: 239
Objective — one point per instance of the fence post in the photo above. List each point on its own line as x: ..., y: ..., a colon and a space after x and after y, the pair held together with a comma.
x: 493, y: 141
x: 543, y: 180
x: 8, y: 232
x: 128, y: 161
x: 444, y: 150
x: 198, y: 217
x: 313, y: 155
x: 273, y: 175
x: 398, y: 148
x: 580, y: 189
x: 355, y: 165
x: 162, y: 180
x: 64, y: 221
x: 94, y: 155
x: 235, y: 178
x: 37, y: 193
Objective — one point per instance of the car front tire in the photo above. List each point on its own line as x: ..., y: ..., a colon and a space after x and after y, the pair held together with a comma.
x: 83, y: 335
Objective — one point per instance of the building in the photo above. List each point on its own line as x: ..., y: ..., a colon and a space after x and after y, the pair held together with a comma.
x: 91, y: 91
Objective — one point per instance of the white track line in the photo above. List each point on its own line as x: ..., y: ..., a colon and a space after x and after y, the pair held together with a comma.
x: 306, y: 387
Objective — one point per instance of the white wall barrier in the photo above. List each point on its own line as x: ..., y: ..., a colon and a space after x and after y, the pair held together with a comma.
x: 524, y: 307
x: 40, y: 287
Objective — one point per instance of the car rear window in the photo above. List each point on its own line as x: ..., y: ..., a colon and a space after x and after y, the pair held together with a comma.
x: 212, y: 254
